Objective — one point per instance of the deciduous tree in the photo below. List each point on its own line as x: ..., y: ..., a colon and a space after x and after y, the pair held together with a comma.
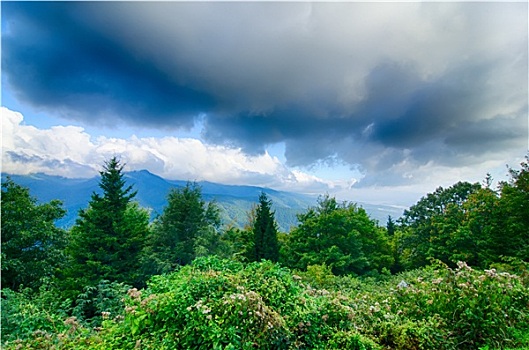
x: 341, y: 236
x: 428, y: 225
x: 513, y: 239
x: 32, y: 246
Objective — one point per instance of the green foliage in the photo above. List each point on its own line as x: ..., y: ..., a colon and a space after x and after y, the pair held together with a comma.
x: 265, y: 243
x: 264, y: 228
x: 32, y: 246
x: 236, y: 244
x: 108, y: 237
x: 206, y: 302
x: 429, y: 224
x: 468, y: 222
x: 216, y: 304
x: 451, y: 309
x: 27, y: 312
x: 341, y: 236
x: 319, y: 276
x: 513, y: 240
x: 474, y: 239
x: 225, y: 304
x: 391, y: 226
x: 187, y: 228
x: 96, y: 303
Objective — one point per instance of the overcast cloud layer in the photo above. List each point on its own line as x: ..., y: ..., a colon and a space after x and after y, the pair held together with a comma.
x: 393, y: 89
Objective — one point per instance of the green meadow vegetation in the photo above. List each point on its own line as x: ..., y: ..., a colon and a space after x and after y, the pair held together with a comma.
x: 451, y: 273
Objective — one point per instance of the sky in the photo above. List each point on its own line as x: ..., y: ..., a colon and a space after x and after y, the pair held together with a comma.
x: 377, y: 102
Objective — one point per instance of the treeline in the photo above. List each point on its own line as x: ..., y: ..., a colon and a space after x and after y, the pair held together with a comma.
x: 114, y: 244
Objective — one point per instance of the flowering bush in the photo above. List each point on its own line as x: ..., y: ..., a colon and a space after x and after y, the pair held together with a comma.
x: 23, y: 314
x: 222, y: 304
x: 450, y: 309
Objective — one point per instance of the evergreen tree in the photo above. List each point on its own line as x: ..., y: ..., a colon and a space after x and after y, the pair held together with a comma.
x: 108, y: 236
x: 265, y: 231
x: 187, y: 228
x: 391, y: 227
x: 32, y: 246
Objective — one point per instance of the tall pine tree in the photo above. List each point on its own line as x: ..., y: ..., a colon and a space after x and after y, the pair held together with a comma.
x: 265, y: 231
x: 108, y: 236
x: 187, y: 228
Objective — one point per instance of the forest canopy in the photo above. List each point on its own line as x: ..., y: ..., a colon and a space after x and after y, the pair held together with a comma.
x: 339, y: 279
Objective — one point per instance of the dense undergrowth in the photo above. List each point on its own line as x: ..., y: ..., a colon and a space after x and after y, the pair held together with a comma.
x: 223, y: 304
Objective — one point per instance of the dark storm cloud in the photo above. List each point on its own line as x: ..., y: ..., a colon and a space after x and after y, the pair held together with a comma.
x: 432, y: 109
x: 400, y: 116
x: 378, y: 85
x: 254, y: 130
x: 55, y: 61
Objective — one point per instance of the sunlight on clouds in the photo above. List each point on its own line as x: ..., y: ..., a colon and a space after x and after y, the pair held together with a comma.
x: 311, y: 182
x: 71, y: 152
x: 26, y: 149
x: 10, y: 122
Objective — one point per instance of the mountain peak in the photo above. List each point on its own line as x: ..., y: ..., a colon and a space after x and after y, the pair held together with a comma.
x: 234, y: 201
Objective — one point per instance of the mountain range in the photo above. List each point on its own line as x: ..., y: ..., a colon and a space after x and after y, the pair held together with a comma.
x: 234, y: 201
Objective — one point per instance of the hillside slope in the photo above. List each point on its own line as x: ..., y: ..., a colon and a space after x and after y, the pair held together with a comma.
x: 234, y: 201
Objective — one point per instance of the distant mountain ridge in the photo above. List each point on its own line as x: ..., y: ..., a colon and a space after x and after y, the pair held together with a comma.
x: 234, y: 201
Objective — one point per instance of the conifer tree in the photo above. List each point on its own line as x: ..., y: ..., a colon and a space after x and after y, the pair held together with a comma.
x: 391, y: 227
x: 108, y: 236
x: 187, y: 228
x: 265, y: 231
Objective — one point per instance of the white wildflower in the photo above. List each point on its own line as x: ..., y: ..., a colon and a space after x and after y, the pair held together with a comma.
x: 491, y: 273
x: 403, y: 284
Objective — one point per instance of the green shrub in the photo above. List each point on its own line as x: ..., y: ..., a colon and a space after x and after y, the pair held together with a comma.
x: 446, y: 309
x: 26, y: 313
x: 222, y: 304
x: 319, y: 276
x: 100, y: 302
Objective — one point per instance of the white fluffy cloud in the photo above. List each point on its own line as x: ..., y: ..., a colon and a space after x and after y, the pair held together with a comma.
x: 71, y: 152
